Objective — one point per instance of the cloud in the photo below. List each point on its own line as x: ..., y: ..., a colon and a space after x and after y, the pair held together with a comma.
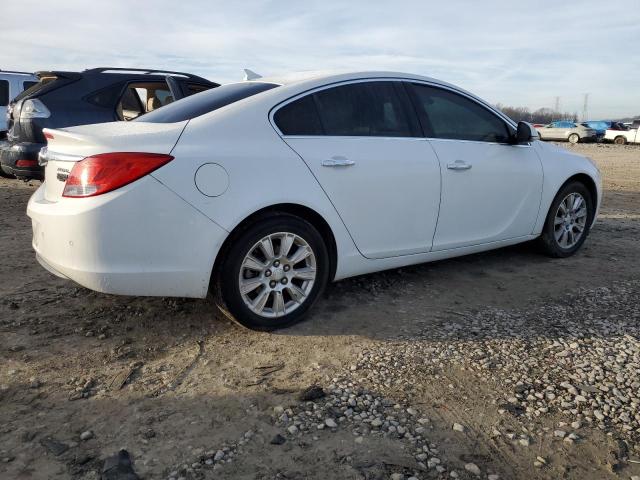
x: 525, y: 54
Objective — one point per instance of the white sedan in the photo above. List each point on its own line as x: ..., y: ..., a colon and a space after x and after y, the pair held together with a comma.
x: 263, y: 191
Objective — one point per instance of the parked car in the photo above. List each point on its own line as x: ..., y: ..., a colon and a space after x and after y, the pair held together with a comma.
x: 263, y: 191
x: 620, y: 137
x: 11, y: 84
x: 601, y: 126
x: 567, y: 131
x: 63, y: 99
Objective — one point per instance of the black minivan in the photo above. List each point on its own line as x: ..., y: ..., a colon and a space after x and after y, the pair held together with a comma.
x: 65, y: 99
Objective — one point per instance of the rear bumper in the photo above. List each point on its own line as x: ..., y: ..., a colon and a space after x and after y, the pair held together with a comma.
x: 11, y: 153
x: 139, y: 240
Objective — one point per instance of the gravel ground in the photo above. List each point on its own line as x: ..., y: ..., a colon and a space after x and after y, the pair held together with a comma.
x: 501, y: 365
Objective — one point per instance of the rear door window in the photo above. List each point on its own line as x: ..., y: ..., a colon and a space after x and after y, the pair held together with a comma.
x: 452, y: 116
x: 299, y: 117
x: 4, y: 93
x: 364, y: 109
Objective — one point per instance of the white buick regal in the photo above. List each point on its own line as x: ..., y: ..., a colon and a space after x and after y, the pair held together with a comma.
x: 263, y: 191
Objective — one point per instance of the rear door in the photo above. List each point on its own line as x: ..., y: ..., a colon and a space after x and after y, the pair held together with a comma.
x: 361, y: 141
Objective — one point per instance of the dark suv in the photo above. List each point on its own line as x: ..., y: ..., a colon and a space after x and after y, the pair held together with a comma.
x: 64, y: 99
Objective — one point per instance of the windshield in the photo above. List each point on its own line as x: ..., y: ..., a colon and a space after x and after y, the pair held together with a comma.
x: 204, y: 102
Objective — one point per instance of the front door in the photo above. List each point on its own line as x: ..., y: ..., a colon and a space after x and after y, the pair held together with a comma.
x: 491, y: 189
x: 362, y: 142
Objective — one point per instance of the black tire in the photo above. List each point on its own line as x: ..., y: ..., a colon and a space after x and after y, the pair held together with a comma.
x: 547, y: 240
x: 576, y: 138
x: 620, y: 140
x: 3, y: 174
x: 229, y: 272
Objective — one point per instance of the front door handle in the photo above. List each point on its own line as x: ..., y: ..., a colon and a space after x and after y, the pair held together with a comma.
x: 338, y: 161
x: 459, y: 165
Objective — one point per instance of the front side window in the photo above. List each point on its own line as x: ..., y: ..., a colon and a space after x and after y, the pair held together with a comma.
x: 4, y: 93
x: 452, y: 116
x: 365, y: 109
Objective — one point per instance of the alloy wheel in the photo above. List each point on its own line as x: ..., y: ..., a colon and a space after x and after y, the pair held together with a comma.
x: 277, y: 274
x: 570, y: 220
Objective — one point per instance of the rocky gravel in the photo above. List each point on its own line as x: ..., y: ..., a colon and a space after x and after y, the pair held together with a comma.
x: 579, y: 358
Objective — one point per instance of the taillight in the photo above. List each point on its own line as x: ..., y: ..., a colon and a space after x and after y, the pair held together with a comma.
x: 103, y: 173
x: 27, y: 163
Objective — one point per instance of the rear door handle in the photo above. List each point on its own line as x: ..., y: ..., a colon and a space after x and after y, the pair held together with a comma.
x: 338, y: 161
x: 459, y: 165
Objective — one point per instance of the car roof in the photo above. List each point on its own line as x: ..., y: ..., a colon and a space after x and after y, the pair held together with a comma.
x: 128, y: 73
x: 11, y: 72
x: 324, y: 77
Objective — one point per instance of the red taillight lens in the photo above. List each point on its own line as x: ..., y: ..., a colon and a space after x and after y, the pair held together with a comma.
x: 108, y: 171
x: 27, y: 163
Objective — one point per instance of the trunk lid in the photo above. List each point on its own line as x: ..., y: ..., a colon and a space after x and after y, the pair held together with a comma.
x: 67, y: 146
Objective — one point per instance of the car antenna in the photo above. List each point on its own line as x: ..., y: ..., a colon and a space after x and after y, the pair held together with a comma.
x: 250, y: 75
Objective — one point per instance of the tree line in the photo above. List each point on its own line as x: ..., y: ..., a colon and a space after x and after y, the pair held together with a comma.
x: 542, y: 115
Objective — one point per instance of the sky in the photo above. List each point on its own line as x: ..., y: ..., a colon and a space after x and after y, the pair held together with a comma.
x: 513, y: 53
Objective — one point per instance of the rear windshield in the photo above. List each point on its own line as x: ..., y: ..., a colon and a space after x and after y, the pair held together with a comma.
x: 204, y: 102
x: 36, y: 88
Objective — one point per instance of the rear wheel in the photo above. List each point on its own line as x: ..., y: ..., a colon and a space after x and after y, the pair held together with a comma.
x: 6, y: 175
x: 574, y: 138
x: 568, y: 221
x: 620, y: 140
x: 274, y: 272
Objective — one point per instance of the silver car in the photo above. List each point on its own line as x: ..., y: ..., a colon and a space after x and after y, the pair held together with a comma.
x: 567, y: 131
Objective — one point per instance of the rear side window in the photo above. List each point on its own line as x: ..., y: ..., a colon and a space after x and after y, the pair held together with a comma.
x: 205, y: 102
x: 299, y: 117
x: 369, y: 109
x: 4, y: 93
x: 453, y: 116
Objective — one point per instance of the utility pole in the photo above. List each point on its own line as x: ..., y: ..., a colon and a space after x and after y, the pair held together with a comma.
x: 585, y: 107
x: 557, y: 106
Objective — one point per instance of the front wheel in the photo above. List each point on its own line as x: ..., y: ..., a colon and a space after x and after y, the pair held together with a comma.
x: 620, y: 140
x: 568, y: 221
x: 274, y: 272
x: 574, y: 138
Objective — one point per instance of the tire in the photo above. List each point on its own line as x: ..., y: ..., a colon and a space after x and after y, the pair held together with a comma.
x: 552, y: 241
x: 620, y: 140
x: 3, y: 174
x: 276, y: 275
x: 574, y: 138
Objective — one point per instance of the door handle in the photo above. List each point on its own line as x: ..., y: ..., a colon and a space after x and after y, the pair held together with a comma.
x: 338, y: 161
x: 458, y: 165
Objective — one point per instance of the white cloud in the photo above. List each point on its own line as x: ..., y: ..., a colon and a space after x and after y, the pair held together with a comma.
x: 524, y: 54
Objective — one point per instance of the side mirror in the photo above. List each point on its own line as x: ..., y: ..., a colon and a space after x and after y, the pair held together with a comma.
x: 525, y: 133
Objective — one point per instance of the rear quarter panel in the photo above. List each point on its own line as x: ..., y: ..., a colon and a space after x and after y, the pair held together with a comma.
x: 262, y: 171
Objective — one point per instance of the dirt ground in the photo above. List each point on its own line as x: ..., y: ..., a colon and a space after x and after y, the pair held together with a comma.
x: 173, y: 382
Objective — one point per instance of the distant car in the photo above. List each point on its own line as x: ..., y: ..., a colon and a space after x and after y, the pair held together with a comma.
x: 11, y: 84
x: 601, y: 126
x: 620, y: 137
x: 64, y: 99
x: 267, y: 190
x: 567, y: 131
